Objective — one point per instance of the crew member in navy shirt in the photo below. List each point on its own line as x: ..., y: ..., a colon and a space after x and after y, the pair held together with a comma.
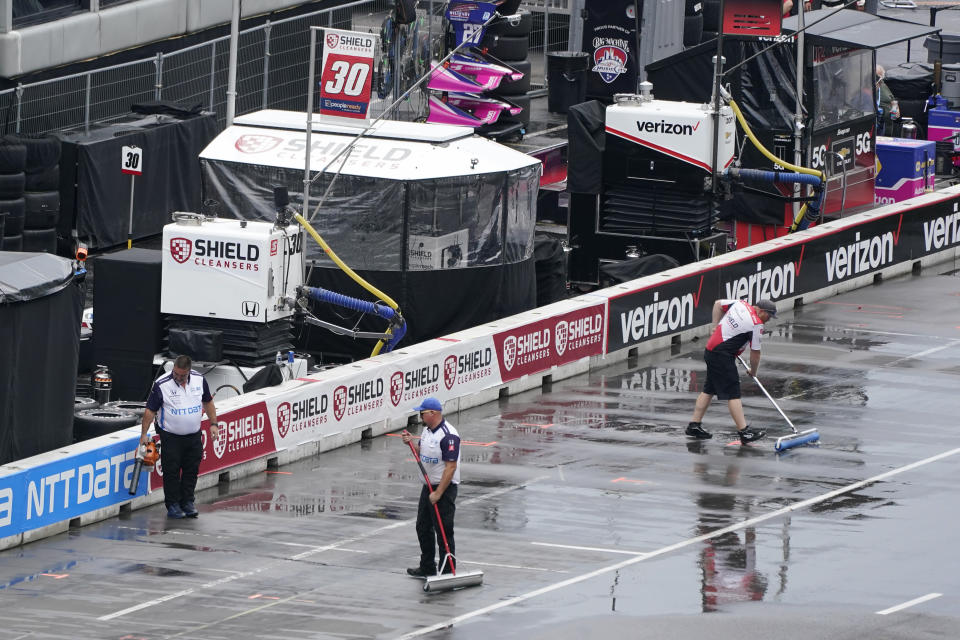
x: 178, y: 401
x: 439, y: 451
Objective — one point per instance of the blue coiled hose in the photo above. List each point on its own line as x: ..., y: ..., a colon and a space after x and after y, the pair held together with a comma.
x: 355, y: 304
x: 788, y: 177
x: 325, y: 295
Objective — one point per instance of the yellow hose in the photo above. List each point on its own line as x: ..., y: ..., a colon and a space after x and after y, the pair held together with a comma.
x: 379, y: 295
x: 774, y: 159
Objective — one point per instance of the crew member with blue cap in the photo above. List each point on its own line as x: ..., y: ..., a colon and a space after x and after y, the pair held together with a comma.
x: 439, y: 451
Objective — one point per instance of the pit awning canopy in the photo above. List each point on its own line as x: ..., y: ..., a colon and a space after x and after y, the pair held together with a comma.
x: 857, y: 29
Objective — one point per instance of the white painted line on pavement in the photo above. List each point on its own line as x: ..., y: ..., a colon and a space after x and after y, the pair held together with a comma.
x: 511, y: 566
x: 909, y: 603
x: 178, y: 594
x: 921, y: 354
x: 803, y: 504
x: 304, y: 554
x: 600, y: 549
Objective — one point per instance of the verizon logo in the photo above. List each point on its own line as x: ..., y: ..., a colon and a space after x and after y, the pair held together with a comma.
x: 660, y: 316
x: 942, y: 232
x: 860, y: 256
x: 773, y: 282
x: 669, y: 128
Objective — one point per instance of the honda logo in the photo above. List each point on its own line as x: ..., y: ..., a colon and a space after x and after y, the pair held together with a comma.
x: 251, y: 309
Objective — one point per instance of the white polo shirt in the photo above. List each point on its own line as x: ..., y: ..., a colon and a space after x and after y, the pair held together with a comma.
x: 437, y: 448
x: 179, y: 409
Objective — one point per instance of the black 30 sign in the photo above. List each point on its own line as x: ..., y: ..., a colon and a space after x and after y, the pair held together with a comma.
x: 131, y: 160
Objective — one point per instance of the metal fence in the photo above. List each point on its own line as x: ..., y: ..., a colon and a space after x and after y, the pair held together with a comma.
x: 271, y: 72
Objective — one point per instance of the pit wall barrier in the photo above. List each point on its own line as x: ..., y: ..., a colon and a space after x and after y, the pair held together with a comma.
x: 87, y: 482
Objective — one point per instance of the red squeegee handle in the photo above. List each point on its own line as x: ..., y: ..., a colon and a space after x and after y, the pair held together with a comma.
x: 436, y: 509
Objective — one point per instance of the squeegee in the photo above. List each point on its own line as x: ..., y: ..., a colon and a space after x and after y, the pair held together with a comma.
x: 455, y: 579
x: 795, y: 439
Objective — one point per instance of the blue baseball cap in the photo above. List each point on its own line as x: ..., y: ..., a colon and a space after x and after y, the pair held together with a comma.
x: 429, y: 404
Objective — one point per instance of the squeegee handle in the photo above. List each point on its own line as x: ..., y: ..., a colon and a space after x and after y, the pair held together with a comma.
x: 436, y: 509
x: 766, y: 393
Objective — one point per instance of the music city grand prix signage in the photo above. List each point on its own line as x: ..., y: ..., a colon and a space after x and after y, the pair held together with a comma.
x: 905, y: 234
x: 67, y: 487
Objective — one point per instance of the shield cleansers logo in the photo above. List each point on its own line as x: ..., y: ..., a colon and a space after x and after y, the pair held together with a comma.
x: 560, y: 331
x: 283, y: 419
x: 333, y: 39
x: 509, y: 352
x: 339, y: 402
x: 180, y: 249
x: 255, y: 143
x: 449, y: 371
x: 220, y: 444
x: 610, y: 62
x: 396, y: 387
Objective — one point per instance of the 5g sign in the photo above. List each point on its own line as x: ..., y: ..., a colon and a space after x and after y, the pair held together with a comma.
x: 861, y: 144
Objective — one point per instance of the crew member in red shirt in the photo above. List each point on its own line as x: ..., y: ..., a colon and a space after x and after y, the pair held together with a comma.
x: 737, y: 324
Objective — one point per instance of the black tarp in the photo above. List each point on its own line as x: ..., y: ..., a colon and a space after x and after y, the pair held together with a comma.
x: 40, y: 308
x: 551, y: 265
x: 95, y: 195
x: 612, y: 273
x: 764, y: 88
x: 856, y: 29
x: 438, y: 302
x: 586, y: 132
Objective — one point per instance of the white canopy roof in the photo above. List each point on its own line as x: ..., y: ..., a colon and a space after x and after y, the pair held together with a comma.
x: 393, y: 158
x: 297, y: 121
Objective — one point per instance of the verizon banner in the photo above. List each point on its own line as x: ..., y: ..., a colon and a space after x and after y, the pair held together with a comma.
x: 537, y: 346
x: 905, y: 234
x: 675, y: 305
x: 347, y: 71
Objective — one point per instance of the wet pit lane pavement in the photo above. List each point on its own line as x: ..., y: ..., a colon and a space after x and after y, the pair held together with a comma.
x: 589, y: 512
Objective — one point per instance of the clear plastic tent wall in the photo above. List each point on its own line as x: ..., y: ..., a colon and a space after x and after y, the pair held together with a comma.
x: 450, y: 222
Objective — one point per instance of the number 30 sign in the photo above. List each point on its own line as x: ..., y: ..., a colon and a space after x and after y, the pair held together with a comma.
x: 347, y: 73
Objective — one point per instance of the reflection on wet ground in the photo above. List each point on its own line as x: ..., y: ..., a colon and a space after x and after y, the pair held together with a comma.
x: 585, y: 507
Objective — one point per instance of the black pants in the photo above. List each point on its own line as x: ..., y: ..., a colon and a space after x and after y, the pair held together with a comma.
x: 180, y: 458
x: 429, y: 534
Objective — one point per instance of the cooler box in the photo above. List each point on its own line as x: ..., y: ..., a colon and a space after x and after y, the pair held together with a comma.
x: 903, y: 165
x: 943, y: 124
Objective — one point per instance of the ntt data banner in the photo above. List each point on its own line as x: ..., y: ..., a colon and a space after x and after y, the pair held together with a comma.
x: 849, y: 252
x: 67, y: 488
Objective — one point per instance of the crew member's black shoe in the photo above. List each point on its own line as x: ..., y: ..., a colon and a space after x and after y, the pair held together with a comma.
x: 694, y: 430
x: 750, y: 434
x: 417, y: 572
x: 189, y: 510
